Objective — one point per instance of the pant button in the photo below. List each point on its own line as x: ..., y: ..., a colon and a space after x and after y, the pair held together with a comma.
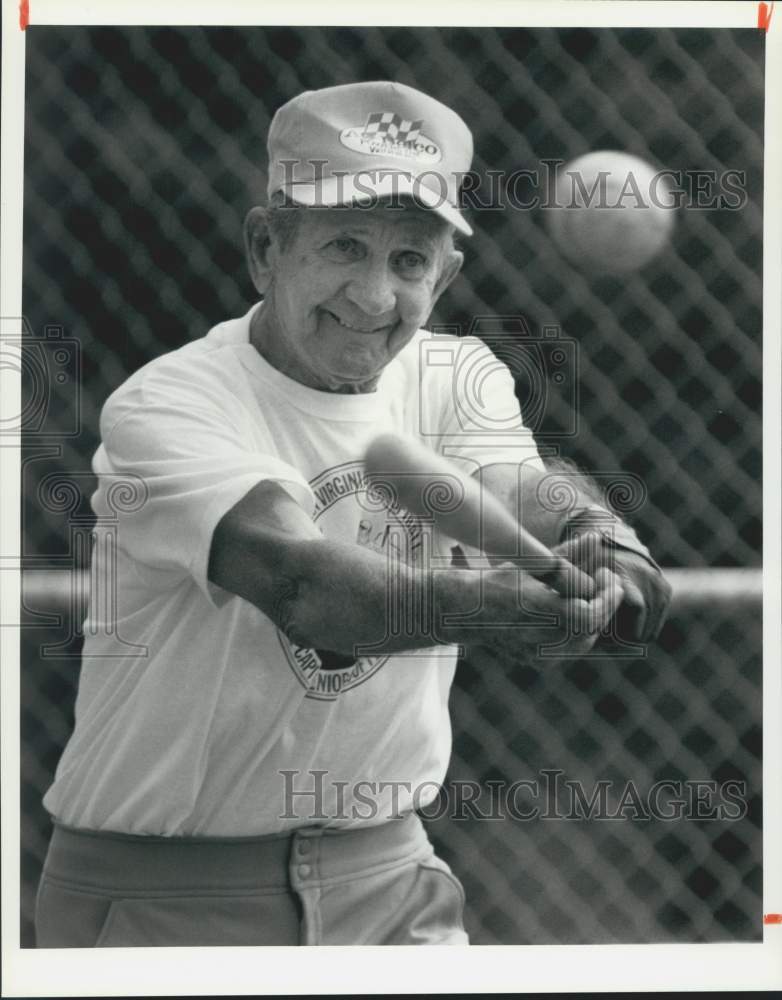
x: 305, y: 871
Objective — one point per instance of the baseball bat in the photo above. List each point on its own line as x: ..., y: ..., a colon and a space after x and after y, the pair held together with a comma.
x: 428, y: 484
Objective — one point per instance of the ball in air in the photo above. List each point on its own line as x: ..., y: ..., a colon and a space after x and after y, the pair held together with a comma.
x: 614, y: 214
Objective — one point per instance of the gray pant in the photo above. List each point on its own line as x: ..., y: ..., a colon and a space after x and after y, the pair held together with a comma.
x: 382, y: 885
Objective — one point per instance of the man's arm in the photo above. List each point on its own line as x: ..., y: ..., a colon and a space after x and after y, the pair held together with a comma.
x: 335, y: 595
x: 517, y: 487
x: 561, y: 527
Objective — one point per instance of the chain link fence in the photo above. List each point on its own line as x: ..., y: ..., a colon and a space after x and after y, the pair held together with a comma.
x: 144, y: 150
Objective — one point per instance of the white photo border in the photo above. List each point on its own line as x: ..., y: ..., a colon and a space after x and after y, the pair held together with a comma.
x: 479, y: 969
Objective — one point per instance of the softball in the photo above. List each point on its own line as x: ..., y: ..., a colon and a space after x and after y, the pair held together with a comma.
x: 614, y: 212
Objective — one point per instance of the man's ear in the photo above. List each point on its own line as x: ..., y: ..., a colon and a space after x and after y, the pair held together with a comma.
x: 452, y: 264
x: 261, y: 253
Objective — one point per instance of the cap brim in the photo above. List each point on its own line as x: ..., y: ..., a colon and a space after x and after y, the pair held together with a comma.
x: 365, y: 188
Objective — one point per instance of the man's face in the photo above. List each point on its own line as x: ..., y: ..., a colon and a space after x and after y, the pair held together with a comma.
x: 350, y: 291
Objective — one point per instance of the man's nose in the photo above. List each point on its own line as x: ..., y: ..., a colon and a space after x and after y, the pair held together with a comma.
x: 371, y: 289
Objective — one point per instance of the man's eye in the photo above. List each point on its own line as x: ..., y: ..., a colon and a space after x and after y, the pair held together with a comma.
x: 346, y: 246
x: 410, y: 261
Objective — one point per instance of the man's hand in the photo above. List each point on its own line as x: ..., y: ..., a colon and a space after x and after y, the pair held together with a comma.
x: 647, y: 594
x: 520, y: 620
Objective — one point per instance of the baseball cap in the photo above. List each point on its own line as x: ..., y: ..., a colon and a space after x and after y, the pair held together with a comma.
x: 359, y: 142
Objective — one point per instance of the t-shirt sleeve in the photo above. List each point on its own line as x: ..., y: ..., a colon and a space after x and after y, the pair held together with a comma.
x: 480, y: 417
x: 186, y: 456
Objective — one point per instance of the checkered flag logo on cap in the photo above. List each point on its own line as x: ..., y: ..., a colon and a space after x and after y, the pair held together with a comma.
x: 387, y: 125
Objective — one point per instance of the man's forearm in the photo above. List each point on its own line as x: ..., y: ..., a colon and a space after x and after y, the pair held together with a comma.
x: 519, y: 489
x: 556, y: 501
x: 332, y: 594
x: 351, y: 600
x: 343, y: 597
x: 338, y: 596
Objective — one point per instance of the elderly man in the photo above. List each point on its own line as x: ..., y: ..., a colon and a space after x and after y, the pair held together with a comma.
x: 250, y: 772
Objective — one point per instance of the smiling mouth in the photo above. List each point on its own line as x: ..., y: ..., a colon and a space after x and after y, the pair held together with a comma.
x: 357, y: 329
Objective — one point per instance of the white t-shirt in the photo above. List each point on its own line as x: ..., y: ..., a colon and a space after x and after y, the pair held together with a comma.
x: 195, y: 715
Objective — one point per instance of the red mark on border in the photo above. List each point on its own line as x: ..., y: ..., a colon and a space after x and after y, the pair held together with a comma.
x: 772, y: 918
x: 24, y: 14
x: 764, y: 15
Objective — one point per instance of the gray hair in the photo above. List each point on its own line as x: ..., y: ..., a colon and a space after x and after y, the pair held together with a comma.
x: 282, y: 218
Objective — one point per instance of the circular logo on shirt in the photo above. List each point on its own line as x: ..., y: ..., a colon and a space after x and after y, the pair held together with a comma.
x: 326, y: 675
x: 346, y: 509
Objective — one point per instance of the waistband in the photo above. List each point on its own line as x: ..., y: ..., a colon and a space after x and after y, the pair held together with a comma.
x: 116, y: 862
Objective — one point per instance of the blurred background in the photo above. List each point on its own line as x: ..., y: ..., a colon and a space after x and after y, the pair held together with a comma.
x: 144, y: 150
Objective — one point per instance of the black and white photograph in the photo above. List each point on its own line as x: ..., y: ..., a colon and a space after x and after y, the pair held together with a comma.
x: 385, y: 404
